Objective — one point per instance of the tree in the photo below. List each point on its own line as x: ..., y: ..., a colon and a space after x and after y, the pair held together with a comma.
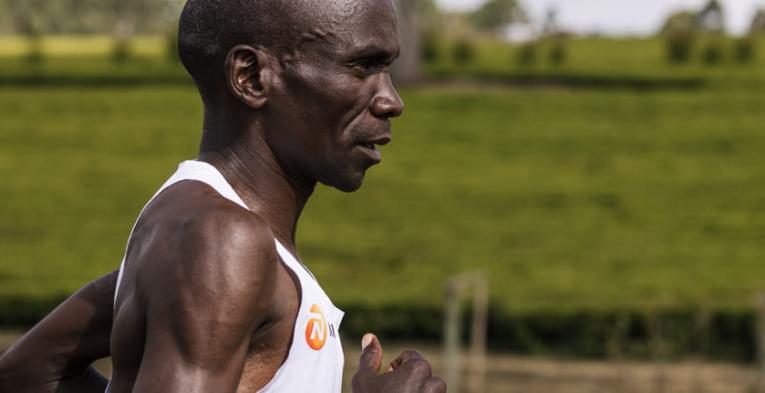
x: 681, y: 20
x: 711, y: 17
x: 137, y: 15
x: 407, y: 68
x: 27, y: 17
x: 430, y: 21
x: 746, y: 49
x: 758, y: 22
x: 551, y: 26
x: 680, y: 31
x: 88, y: 16
x: 463, y: 52
x: 554, y: 36
x: 495, y: 15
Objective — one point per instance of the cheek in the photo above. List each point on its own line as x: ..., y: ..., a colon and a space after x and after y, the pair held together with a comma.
x: 327, y: 95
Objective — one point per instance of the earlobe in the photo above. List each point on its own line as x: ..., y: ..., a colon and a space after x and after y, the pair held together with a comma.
x: 247, y: 70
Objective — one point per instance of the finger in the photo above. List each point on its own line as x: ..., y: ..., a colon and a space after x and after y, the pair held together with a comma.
x: 371, y: 353
x: 434, y: 385
x: 406, y: 356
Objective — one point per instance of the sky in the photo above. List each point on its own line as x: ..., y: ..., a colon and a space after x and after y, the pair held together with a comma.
x: 622, y: 17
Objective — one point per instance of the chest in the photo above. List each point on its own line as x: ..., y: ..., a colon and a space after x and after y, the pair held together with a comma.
x: 300, y: 350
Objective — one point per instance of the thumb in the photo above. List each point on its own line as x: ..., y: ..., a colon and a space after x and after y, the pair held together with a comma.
x: 371, y: 353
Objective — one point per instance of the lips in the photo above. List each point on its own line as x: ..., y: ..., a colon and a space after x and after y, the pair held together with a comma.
x: 372, y: 143
x: 369, y: 146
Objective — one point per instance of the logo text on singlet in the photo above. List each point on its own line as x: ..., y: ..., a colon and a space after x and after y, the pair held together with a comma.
x: 316, y: 329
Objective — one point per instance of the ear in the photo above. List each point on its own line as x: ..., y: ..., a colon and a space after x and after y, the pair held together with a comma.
x: 248, y: 75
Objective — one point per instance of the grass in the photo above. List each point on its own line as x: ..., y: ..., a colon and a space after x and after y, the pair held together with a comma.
x: 81, y: 46
x: 567, y: 199
x: 570, y: 199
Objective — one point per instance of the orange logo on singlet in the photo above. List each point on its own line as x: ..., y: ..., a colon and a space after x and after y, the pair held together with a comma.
x: 316, y: 329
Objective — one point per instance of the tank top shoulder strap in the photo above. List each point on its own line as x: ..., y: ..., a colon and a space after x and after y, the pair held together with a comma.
x: 187, y: 170
x: 208, y: 174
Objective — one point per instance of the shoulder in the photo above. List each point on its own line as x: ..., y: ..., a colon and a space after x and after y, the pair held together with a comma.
x: 216, y: 256
x: 218, y: 229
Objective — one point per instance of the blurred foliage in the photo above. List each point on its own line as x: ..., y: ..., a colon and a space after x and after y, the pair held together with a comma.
x: 121, y: 51
x: 714, y: 51
x: 429, y: 16
x: 171, y: 45
x: 463, y: 51
x: 680, y: 21
x: 494, y: 15
x: 710, y: 18
x: 746, y: 49
x: 527, y: 54
x: 680, y: 35
x: 431, y: 25
x: 758, y: 22
x: 87, y: 16
x: 430, y: 47
x: 558, y: 52
x: 35, y: 54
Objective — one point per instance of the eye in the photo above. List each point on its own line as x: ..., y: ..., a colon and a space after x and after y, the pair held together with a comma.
x: 368, y: 66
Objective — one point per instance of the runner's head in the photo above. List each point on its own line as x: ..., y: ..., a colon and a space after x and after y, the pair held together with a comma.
x: 312, y: 73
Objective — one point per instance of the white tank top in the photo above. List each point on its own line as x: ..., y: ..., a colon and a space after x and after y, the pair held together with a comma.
x: 315, y: 359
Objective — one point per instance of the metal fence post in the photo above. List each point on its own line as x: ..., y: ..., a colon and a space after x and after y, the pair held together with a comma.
x: 452, y: 336
x: 477, y: 381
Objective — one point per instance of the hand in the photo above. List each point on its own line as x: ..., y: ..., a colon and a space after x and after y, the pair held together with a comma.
x: 409, y: 373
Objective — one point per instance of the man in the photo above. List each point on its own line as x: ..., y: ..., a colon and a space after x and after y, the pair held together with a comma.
x: 211, y: 296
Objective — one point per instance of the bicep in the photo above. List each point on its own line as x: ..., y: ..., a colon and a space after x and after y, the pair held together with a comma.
x: 202, y: 315
x: 189, y: 349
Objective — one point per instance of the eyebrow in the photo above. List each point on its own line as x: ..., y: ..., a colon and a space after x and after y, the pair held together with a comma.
x: 374, y: 52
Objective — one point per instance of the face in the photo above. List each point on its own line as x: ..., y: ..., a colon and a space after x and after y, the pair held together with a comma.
x: 336, y: 97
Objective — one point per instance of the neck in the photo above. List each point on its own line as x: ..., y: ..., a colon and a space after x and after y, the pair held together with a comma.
x: 239, y: 151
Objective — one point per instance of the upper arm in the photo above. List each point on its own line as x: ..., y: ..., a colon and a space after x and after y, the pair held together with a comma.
x: 202, y: 314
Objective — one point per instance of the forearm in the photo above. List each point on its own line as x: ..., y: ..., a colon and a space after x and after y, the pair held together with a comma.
x: 56, y: 354
x: 87, y: 381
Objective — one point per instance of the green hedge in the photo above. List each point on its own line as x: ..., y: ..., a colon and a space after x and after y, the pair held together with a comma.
x: 719, y: 335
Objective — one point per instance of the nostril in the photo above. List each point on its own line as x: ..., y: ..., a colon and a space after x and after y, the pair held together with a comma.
x: 383, y: 106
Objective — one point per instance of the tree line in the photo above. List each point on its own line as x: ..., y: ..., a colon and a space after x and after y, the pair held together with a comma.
x: 123, y: 18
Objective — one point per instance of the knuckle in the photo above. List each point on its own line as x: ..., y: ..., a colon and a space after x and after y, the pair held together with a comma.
x: 420, y: 367
x: 435, y: 385
x: 356, y: 380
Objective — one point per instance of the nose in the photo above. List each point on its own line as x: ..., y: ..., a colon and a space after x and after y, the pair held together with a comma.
x: 387, y: 103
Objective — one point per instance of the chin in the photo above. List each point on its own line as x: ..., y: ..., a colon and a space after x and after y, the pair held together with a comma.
x: 348, y: 183
x: 349, y: 186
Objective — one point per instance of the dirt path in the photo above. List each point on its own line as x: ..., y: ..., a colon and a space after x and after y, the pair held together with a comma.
x: 509, y: 374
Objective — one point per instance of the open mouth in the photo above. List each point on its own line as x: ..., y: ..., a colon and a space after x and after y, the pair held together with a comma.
x: 375, y: 143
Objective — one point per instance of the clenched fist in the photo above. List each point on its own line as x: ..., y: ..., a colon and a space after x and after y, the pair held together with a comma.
x: 409, y: 373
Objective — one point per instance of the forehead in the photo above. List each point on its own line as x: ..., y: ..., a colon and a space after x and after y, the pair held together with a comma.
x: 360, y: 25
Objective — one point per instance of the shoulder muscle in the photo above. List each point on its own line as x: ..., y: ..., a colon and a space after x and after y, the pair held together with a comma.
x: 219, y: 287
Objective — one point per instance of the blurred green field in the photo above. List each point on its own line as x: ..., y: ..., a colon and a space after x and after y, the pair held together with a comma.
x: 571, y: 199
x: 602, y: 59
